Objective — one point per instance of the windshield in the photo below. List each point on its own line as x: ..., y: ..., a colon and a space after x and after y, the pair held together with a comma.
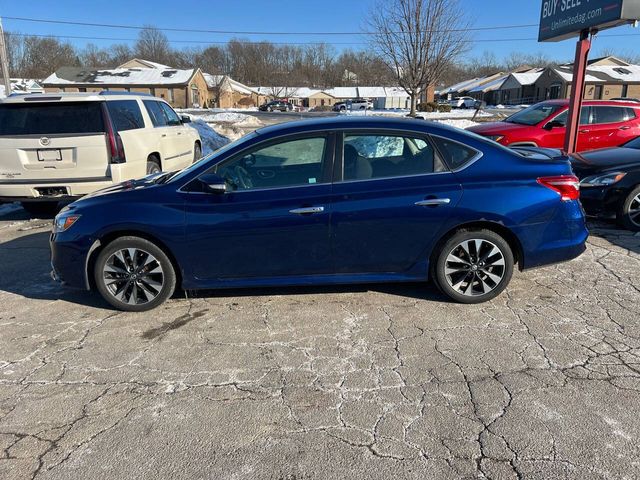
x: 211, y: 159
x: 534, y: 114
x: 635, y: 143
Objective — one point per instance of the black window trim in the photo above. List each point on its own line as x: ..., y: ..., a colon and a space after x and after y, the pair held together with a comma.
x: 327, y: 162
x: 338, y: 173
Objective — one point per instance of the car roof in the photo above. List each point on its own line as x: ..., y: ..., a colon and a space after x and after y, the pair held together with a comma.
x: 590, y: 103
x: 355, y: 122
x: 75, y: 97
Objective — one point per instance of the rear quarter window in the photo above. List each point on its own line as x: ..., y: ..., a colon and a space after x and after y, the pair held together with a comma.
x: 51, y: 118
x: 125, y: 115
x: 456, y: 155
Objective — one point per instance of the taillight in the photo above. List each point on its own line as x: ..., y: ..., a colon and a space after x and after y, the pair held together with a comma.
x: 116, y: 149
x: 568, y: 186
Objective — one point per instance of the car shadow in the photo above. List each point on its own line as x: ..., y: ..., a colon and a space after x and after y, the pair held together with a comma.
x: 25, y: 270
x: 609, y: 230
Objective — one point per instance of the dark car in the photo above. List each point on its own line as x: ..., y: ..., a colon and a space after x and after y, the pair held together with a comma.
x: 328, y: 201
x: 610, y: 182
x: 276, y: 106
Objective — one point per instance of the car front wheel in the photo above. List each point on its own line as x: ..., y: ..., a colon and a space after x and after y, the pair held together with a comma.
x: 629, y: 212
x: 134, y: 275
x: 473, y: 266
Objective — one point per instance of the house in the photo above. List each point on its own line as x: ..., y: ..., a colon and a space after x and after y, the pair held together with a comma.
x: 21, y: 86
x: 520, y: 87
x: 225, y: 92
x: 182, y: 88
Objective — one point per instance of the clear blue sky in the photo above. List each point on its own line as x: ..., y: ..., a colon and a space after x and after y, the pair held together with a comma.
x: 288, y: 15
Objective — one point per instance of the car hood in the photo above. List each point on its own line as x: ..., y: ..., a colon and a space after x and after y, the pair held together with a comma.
x: 496, y: 128
x: 119, y: 189
x: 605, y: 159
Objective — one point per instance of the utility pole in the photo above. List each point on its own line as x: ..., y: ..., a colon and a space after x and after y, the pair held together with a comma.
x: 5, y: 62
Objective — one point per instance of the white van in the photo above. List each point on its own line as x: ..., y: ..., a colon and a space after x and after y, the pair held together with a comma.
x: 59, y: 146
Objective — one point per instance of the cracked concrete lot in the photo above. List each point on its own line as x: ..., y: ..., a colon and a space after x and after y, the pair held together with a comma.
x: 348, y: 382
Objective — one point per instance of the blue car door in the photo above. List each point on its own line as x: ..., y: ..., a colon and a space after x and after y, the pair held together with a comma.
x: 274, y: 219
x: 390, y: 200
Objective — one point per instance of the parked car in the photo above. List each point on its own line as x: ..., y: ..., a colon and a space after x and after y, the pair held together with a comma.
x: 355, y: 104
x: 610, y: 182
x: 603, y: 123
x: 333, y: 200
x: 627, y: 99
x: 61, y: 146
x: 462, y: 102
x: 276, y: 106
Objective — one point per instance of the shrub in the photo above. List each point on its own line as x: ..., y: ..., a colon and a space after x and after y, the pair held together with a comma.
x: 321, y: 108
x: 444, y: 107
x: 425, y: 107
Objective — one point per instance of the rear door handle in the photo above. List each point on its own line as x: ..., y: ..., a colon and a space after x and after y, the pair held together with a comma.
x: 307, y: 210
x: 583, y: 131
x: 625, y: 127
x: 163, y: 135
x: 433, y: 202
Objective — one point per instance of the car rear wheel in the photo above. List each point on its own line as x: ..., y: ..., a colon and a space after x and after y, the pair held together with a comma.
x: 153, y: 165
x: 40, y: 208
x: 134, y: 275
x: 629, y: 212
x: 473, y: 266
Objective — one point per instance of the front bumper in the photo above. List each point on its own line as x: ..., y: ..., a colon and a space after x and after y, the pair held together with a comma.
x: 70, y: 259
x: 601, y: 200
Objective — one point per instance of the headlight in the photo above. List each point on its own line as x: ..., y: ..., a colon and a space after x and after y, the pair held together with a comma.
x: 603, y: 180
x: 495, y: 138
x: 64, y: 221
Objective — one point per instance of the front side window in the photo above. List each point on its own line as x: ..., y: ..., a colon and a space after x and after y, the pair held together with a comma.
x: 155, y: 111
x: 125, y: 115
x: 371, y: 156
x: 585, y: 117
x: 172, y: 116
x: 285, y: 164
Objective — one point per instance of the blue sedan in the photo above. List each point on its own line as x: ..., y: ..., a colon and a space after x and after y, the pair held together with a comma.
x: 332, y: 201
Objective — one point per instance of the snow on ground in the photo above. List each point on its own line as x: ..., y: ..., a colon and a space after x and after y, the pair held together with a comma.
x: 459, y: 123
x: 211, y: 140
x: 235, y: 118
x: 456, y: 113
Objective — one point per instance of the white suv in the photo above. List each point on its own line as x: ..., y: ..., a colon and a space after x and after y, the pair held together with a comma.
x: 462, y: 102
x: 58, y: 146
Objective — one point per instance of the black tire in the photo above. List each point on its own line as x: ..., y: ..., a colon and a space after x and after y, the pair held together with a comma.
x: 40, y: 208
x: 269, y: 109
x: 628, y: 214
x: 456, y: 285
x: 134, y: 282
x: 197, y: 152
x: 153, y: 165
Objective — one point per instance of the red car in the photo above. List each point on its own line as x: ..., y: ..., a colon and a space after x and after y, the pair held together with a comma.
x: 602, y: 124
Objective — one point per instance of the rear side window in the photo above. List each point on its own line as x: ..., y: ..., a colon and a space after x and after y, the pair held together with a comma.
x: 51, y: 118
x: 608, y: 114
x: 125, y: 115
x: 456, y: 155
x: 382, y: 156
x: 158, y: 118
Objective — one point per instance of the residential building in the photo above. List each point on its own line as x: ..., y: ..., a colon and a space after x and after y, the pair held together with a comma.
x: 21, y: 86
x: 225, y: 92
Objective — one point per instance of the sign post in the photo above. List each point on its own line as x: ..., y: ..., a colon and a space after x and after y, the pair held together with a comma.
x: 563, y: 19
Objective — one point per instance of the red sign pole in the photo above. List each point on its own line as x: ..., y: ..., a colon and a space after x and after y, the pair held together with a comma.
x: 577, y: 92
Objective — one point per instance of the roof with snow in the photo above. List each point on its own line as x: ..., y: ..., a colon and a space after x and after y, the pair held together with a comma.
x: 141, y: 63
x: 489, y: 86
x: 528, y: 78
x: 119, y: 76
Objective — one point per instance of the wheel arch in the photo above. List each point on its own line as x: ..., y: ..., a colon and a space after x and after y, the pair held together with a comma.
x: 106, y: 239
x: 510, y: 237
x: 155, y: 156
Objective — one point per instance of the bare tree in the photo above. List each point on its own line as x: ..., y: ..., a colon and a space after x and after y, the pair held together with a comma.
x: 418, y: 39
x: 153, y: 45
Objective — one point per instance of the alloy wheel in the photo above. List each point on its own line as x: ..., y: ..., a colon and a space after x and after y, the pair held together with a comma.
x: 634, y: 210
x: 474, y: 267
x: 133, y: 276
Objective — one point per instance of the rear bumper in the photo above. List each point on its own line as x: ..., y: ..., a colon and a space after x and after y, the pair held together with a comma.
x: 556, y: 241
x: 39, y: 191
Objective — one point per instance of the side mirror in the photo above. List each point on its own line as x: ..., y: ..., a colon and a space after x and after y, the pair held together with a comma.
x: 213, y: 183
x: 553, y: 124
x: 185, y: 119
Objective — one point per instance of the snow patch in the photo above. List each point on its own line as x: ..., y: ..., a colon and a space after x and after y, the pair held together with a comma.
x: 461, y: 123
x: 211, y: 140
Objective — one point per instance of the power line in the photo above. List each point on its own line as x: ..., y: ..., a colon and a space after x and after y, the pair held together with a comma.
x: 257, y: 42
x: 247, y: 32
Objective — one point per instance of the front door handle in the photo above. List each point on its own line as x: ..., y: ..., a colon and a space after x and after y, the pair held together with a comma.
x: 625, y: 127
x: 307, y: 210
x: 433, y: 202
x: 583, y: 131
